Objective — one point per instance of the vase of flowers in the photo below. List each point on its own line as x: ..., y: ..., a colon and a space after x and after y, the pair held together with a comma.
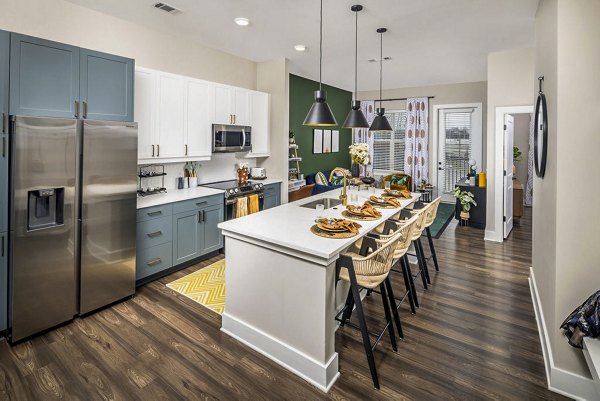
x: 466, y: 200
x: 359, y: 153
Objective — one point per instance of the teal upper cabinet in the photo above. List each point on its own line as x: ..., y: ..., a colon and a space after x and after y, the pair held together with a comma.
x: 50, y: 79
x: 44, y: 78
x: 4, y: 66
x: 106, y: 86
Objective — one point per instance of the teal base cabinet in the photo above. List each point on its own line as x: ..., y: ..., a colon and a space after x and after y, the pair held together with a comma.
x: 174, y: 234
x: 3, y: 281
x: 272, y: 196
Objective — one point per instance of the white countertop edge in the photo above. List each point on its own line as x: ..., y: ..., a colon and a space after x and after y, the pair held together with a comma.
x: 175, y: 195
x: 267, y: 181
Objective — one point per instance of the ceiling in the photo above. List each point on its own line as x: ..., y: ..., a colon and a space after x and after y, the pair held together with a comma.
x: 430, y: 42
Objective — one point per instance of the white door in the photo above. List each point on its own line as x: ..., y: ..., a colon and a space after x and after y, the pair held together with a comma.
x: 242, y: 112
x: 224, y: 107
x: 198, y: 127
x: 144, y: 113
x: 260, y: 123
x: 169, y: 127
x: 459, y: 140
x: 509, y: 133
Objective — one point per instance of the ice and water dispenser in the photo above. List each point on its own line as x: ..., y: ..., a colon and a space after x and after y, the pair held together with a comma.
x: 45, y: 208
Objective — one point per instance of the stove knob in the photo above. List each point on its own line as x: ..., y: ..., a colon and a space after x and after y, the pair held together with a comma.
x: 231, y: 191
x: 236, y: 190
x: 260, y: 185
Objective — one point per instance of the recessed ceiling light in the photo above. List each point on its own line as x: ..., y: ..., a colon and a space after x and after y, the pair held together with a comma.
x: 242, y: 21
x: 300, y: 48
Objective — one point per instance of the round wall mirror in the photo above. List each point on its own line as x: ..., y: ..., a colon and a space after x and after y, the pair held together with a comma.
x: 540, y: 134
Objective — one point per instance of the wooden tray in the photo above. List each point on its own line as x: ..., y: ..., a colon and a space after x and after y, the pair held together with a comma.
x: 328, y: 234
x: 351, y: 216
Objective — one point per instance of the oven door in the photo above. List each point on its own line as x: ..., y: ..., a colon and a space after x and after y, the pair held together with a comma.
x: 232, y: 138
x: 230, y: 206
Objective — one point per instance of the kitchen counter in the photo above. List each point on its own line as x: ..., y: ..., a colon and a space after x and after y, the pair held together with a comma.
x: 267, y: 181
x: 281, y: 296
x: 175, y: 195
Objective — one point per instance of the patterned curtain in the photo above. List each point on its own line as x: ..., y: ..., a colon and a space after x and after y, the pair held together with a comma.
x: 416, y: 150
x: 529, y: 186
x: 362, y: 135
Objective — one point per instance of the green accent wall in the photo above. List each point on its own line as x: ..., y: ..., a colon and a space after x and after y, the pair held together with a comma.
x: 301, y: 99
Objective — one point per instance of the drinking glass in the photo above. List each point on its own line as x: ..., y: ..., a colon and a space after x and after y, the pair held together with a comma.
x: 320, y: 211
x: 354, y: 197
x: 387, y: 184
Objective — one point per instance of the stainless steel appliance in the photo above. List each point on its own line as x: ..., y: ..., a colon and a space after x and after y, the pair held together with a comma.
x: 231, y: 138
x: 73, y: 207
x: 234, y: 190
x: 258, y: 173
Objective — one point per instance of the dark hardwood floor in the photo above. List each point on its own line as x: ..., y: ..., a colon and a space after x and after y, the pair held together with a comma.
x: 473, y: 338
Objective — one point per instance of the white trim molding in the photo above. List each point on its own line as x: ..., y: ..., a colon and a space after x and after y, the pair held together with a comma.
x: 559, y: 380
x: 498, y: 162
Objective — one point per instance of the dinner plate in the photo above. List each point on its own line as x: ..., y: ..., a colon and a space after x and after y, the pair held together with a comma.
x: 332, y: 230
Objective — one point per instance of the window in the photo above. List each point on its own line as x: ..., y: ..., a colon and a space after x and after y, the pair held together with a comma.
x: 388, y: 147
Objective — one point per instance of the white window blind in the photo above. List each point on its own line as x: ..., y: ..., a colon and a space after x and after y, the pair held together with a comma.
x: 388, y: 147
x: 458, y: 144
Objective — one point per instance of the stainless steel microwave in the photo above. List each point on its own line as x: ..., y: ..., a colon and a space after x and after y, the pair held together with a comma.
x: 231, y: 138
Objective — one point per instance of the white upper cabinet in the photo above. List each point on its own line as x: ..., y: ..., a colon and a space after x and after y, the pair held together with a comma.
x: 175, y: 115
x: 198, y: 124
x: 260, y: 122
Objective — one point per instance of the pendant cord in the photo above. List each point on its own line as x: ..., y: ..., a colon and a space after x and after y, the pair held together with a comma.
x: 380, y: 68
x: 321, y: 46
x: 356, y: 56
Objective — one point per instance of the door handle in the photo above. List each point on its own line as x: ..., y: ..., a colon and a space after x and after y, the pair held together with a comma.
x: 200, y: 216
x: 152, y: 214
x: 157, y: 150
x: 154, y: 234
x: 4, y: 122
x: 152, y: 150
x: 243, y: 138
x: 186, y: 150
x: 234, y: 118
x: 84, y: 109
x: 76, y: 109
x: 154, y: 262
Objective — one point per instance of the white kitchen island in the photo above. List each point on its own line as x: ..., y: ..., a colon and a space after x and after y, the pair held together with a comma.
x: 280, y: 285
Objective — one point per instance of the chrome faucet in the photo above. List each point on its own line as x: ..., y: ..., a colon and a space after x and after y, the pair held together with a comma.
x: 343, y: 196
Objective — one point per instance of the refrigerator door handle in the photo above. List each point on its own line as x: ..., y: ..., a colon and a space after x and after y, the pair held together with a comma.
x: 76, y: 109
x: 3, y: 147
x: 4, y: 122
x: 84, y: 109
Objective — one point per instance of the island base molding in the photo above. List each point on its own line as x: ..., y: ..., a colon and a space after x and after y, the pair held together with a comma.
x: 322, y: 376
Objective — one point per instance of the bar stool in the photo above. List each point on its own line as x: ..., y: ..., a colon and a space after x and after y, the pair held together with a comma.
x: 431, y: 214
x: 385, y: 232
x: 407, y: 214
x: 368, y: 272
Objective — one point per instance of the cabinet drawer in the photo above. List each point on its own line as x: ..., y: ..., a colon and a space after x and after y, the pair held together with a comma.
x: 154, y: 212
x: 197, y: 203
x: 271, y: 188
x: 153, y: 260
x: 154, y: 232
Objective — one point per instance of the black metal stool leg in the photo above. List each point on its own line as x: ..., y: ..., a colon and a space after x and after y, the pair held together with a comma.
x: 388, y: 316
x: 390, y: 293
x: 421, y: 265
x: 363, y: 327
x: 425, y: 268
x: 406, y: 264
x: 430, y: 239
x: 409, y: 288
x: 347, y: 308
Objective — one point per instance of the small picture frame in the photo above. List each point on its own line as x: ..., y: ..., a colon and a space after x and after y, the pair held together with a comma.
x: 335, y: 141
x: 317, y: 141
x: 327, y: 141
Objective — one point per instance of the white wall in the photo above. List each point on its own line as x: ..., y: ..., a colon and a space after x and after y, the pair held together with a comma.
x: 69, y: 23
x: 510, y: 81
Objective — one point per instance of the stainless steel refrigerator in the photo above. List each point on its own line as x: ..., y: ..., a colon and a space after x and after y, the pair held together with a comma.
x: 72, y: 221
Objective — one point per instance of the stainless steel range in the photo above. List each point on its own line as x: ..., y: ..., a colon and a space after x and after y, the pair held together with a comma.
x: 234, y: 190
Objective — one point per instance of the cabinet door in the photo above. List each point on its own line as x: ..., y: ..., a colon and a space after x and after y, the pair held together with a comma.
x: 169, y: 127
x: 260, y: 123
x: 212, y: 239
x: 106, y: 86
x: 44, y: 78
x: 272, y: 196
x: 270, y: 201
x: 145, y: 112
x: 224, y: 108
x: 3, y: 281
x: 242, y: 108
x: 186, y: 236
x: 198, y: 127
x: 4, y: 66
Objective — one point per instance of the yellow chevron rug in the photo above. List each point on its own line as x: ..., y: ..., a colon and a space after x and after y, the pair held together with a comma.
x: 205, y: 286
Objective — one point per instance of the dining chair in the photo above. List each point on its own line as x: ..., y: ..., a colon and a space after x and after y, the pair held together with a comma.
x: 419, y: 227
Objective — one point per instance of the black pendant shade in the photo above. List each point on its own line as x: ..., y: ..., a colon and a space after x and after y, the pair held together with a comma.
x: 355, y: 118
x: 380, y: 123
x: 320, y: 114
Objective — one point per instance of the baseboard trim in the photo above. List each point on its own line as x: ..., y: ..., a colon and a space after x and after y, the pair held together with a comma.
x: 320, y: 375
x: 559, y: 380
x: 493, y: 236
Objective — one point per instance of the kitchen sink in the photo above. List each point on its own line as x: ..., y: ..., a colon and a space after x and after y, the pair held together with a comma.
x: 327, y: 202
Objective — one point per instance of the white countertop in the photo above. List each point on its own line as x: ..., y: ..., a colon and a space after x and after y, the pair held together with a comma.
x: 288, y: 226
x: 267, y: 181
x: 175, y: 195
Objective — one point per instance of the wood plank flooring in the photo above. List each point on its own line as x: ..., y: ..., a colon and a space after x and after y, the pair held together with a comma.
x: 473, y: 338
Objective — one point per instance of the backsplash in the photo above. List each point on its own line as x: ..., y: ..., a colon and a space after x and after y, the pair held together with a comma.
x: 221, y: 167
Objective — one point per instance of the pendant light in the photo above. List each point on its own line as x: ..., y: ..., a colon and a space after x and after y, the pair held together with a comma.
x: 356, y: 118
x: 380, y: 123
x: 320, y: 114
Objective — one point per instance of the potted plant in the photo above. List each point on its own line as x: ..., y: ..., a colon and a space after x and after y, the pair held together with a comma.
x: 359, y: 153
x: 466, y: 201
x: 517, y: 157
